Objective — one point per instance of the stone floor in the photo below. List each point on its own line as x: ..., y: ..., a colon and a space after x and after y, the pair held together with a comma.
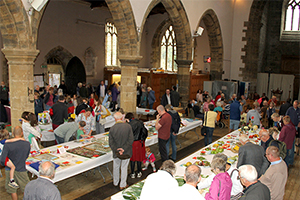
x: 90, y: 185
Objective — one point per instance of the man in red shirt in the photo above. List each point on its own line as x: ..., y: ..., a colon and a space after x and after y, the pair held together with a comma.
x: 163, y: 125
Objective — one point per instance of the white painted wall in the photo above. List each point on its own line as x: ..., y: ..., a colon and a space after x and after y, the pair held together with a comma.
x: 59, y: 27
x: 241, y: 14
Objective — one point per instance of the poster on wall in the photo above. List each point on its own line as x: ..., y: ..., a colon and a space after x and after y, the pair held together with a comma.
x: 39, y: 80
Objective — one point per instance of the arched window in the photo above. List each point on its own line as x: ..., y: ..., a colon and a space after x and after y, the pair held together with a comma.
x: 111, y: 44
x: 292, y: 16
x: 168, y: 50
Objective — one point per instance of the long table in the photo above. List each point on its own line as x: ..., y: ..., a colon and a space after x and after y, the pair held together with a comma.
x: 233, y: 137
x: 83, y: 164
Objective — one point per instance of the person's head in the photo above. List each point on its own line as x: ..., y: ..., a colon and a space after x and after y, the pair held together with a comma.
x: 218, y: 104
x: 288, y: 100
x: 218, y: 165
x: 242, y: 97
x: 51, y: 89
x: 273, y: 98
x: 118, y: 116
x: 168, y: 107
x: 149, y: 89
x: 263, y: 94
x: 148, y: 150
x: 92, y: 95
x: 286, y: 119
x: 84, y: 100
x: 82, y: 125
x: 36, y: 95
x: 275, y: 117
x: 265, y: 103
x: 233, y: 96
x: 272, y: 153
x: 62, y: 82
x: 167, y: 91
x: 160, y: 109
x: 272, y: 104
x: 169, y: 166
x: 211, y: 107
x: 174, y: 88
x: 61, y: 98
x: 129, y: 116
x: 37, y: 88
x: 79, y: 84
x: 199, y: 91
x: 88, y: 111
x: 274, y: 132
x: 224, y: 157
x: 244, y: 138
x: 143, y: 89
x: 247, y: 174
x: 18, y: 132
x: 256, y: 104
x: 47, y: 169
x: 192, y: 175
x: 74, y: 96
x: 101, y: 82
x: 264, y: 135
x: 30, y: 117
x: 109, y: 93
x: 2, y: 83
x: 4, y: 134
x: 295, y: 104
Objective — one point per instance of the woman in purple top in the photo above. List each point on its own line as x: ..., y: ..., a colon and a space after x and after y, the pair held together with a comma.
x: 221, y: 185
x: 114, y: 94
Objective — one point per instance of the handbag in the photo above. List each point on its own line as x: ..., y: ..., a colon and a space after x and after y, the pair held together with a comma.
x: 203, y: 129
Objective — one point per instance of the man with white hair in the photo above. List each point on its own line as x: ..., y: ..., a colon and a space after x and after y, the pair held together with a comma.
x: 163, y: 126
x: 43, y: 187
x: 160, y: 184
x: 252, y: 154
x: 276, y: 175
x: 254, y: 188
x: 120, y: 142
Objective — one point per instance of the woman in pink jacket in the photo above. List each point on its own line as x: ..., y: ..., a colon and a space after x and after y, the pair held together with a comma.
x: 221, y: 185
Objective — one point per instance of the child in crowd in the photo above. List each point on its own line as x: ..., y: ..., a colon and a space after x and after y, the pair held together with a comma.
x: 150, y: 158
x: 107, y: 99
x: 81, y: 131
x: 74, y: 100
x: 4, y: 138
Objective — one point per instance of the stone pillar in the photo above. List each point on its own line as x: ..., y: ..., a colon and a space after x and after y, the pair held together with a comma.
x: 21, y: 89
x: 129, y: 68
x: 183, y: 76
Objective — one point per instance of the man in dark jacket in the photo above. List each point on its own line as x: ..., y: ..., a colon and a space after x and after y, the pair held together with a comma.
x: 4, y: 93
x: 59, y: 112
x: 284, y: 107
x: 254, y: 188
x: 63, y: 87
x: 120, y: 142
x: 166, y: 98
x: 3, y: 114
x: 176, y: 121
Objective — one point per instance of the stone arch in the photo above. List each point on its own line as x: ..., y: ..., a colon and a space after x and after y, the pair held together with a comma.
x: 75, y: 73
x: 214, y: 33
x: 61, y: 54
x: 180, y: 24
x: 123, y: 17
x: 155, y: 54
x: 251, y: 48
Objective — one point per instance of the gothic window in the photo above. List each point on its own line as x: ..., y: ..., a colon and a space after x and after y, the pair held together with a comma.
x: 111, y: 44
x: 168, y: 50
x: 292, y: 16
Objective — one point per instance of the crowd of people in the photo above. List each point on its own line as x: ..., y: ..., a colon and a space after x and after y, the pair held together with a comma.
x: 259, y: 167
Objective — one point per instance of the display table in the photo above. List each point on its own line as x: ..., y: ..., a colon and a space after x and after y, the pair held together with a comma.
x: 72, y: 164
x: 230, y: 139
x: 47, y: 132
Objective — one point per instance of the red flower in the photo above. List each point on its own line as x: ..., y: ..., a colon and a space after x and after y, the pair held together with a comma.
x: 252, y: 117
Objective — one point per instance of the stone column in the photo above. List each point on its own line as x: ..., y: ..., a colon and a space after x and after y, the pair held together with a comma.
x: 129, y: 68
x: 183, y: 76
x: 21, y: 89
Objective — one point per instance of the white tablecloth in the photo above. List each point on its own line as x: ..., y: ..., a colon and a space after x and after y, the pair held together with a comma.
x: 87, y: 163
x: 145, y: 111
x: 180, y: 169
x: 47, y: 132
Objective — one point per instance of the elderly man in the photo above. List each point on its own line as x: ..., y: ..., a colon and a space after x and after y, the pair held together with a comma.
x: 274, y: 100
x: 167, y: 98
x: 43, y: 187
x: 254, y: 188
x: 17, y: 152
x: 266, y: 139
x: 287, y: 135
x: 276, y: 175
x: 151, y: 97
x: 160, y: 184
x: 163, y: 125
x: 120, y: 142
x: 252, y: 154
x: 294, y: 113
x: 192, y: 177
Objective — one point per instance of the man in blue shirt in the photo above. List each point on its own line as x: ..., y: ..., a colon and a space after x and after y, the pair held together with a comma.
x: 235, y: 114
